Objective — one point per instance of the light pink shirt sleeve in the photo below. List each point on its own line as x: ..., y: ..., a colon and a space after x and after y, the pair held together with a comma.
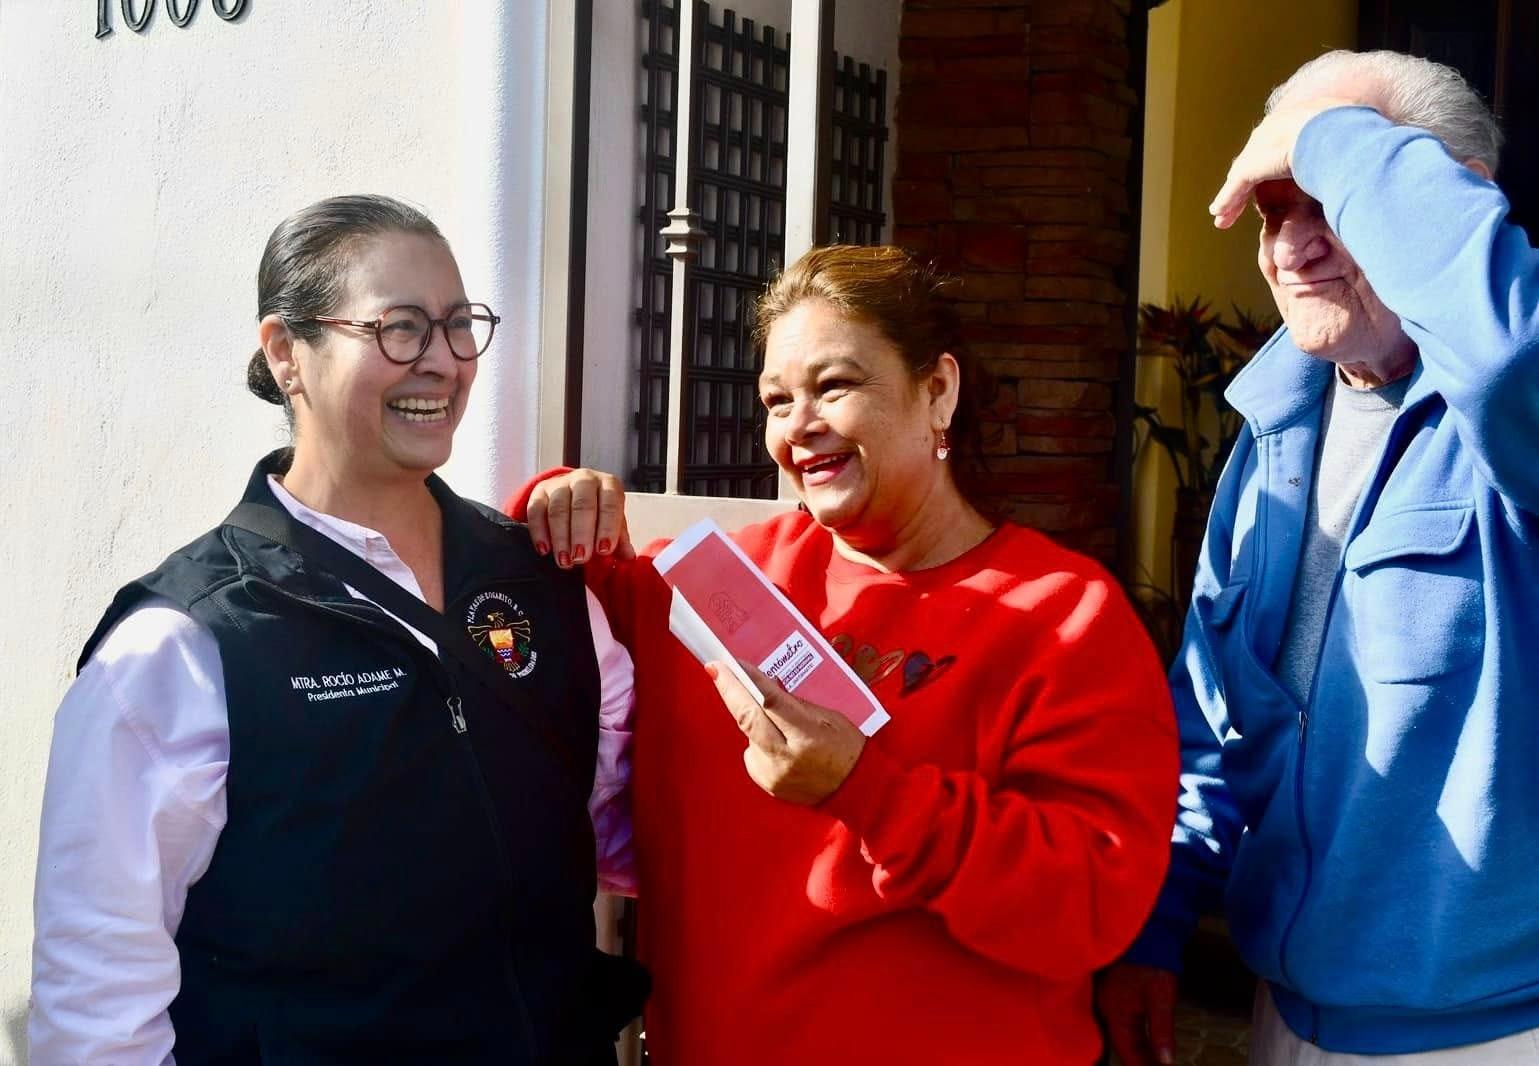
x: 610, y: 805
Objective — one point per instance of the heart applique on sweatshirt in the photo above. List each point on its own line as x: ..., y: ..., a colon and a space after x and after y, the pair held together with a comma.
x: 872, y: 667
x: 919, y: 670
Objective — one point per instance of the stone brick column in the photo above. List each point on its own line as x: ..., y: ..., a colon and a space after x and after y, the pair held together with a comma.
x: 1014, y: 137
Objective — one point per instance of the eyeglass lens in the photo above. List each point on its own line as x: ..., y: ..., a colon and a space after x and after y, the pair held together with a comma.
x: 406, y: 332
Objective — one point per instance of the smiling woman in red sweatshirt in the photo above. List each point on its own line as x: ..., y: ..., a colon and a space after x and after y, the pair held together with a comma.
x: 942, y: 891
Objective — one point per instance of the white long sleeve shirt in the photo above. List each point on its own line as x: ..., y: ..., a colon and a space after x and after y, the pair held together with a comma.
x: 135, y: 802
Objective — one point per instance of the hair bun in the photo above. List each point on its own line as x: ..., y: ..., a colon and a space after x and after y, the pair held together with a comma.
x: 259, y: 379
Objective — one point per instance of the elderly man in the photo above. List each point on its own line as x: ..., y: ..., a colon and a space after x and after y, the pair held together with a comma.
x: 1359, y: 683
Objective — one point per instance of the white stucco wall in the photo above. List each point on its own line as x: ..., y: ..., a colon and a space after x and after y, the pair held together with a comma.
x: 141, y: 174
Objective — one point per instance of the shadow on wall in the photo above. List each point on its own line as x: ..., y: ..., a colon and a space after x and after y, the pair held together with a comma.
x: 15, y: 1050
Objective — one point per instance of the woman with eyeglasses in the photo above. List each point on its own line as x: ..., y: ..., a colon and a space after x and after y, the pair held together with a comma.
x: 321, y: 790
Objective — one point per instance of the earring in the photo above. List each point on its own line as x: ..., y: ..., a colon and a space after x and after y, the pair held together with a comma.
x: 291, y: 384
x: 942, y: 446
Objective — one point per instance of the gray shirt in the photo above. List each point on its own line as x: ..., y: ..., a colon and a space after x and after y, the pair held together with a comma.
x: 1353, y: 429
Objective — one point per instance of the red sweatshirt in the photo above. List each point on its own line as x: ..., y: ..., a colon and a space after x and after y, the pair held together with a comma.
x: 1003, y: 836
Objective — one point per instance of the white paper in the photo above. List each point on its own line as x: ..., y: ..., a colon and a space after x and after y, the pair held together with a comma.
x: 685, y: 623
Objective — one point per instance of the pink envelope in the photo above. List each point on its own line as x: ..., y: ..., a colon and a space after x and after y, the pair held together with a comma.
x: 725, y: 609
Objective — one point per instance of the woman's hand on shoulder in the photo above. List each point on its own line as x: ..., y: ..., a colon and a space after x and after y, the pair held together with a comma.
x: 579, y: 515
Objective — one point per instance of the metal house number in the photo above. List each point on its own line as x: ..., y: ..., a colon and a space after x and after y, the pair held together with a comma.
x: 136, y: 13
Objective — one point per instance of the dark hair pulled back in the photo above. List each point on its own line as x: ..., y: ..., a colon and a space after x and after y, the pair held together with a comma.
x: 905, y: 297
x: 304, y: 267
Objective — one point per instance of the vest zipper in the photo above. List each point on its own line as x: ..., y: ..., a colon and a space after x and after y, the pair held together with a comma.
x: 504, y: 864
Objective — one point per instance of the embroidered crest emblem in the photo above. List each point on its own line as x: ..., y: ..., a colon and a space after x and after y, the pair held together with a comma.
x: 501, y: 629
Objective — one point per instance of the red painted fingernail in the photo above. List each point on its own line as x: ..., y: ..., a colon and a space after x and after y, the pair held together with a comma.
x: 579, y: 553
x: 603, y: 546
x: 541, y: 547
x: 562, y: 559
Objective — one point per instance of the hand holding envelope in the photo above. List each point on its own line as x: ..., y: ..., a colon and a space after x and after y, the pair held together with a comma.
x: 731, y: 616
x: 797, y: 751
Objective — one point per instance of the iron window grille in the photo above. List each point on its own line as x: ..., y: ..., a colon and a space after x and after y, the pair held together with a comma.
x: 741, y: 74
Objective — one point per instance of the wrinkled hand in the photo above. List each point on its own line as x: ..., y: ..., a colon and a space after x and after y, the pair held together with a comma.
x: 1138, y: 1005
x: 797, y: 751
x: 578, y: 516
x: 1268, y: 155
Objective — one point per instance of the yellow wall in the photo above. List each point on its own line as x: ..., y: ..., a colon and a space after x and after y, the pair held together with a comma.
x: 1211, y: 65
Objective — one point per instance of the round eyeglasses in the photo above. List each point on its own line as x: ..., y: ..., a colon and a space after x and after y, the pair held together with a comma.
x: 403, y: 333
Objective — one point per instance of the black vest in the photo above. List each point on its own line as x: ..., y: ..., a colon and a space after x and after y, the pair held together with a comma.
x: 389, y: 888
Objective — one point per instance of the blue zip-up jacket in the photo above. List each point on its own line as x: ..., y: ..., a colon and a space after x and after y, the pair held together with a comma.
x: 1377, y: 850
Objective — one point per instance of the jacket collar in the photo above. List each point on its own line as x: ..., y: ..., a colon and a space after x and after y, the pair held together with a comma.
x: 1282, y: 383
x: 472, y: 534
x: 1279, y: 385
x: 455, y: 509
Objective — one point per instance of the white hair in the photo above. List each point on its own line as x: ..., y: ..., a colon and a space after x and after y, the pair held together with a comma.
x: 1415, y: 92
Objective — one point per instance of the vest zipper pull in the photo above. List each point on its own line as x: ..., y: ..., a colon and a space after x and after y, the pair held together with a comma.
x: 456, y: 715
